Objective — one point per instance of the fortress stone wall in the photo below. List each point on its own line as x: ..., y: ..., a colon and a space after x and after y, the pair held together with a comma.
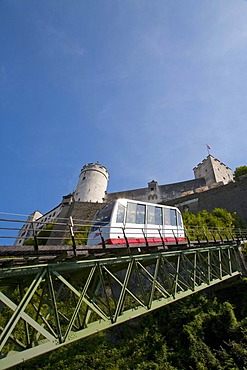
x: 155, y: 193
x: 232, y: 197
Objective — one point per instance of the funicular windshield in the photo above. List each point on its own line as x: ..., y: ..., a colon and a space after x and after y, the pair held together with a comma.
x: 102, y: 217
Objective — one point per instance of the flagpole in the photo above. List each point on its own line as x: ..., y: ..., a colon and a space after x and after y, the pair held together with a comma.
x: 208, y: 148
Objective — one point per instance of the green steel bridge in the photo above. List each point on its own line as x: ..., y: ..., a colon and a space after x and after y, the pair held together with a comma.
x: 53, y: 295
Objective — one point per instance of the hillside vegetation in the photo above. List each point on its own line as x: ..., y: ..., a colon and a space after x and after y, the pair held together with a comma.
x: 204, y: 331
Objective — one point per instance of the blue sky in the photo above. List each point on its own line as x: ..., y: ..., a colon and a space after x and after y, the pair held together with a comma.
x: 140, y: 86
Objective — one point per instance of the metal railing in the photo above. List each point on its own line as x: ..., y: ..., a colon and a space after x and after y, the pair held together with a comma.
x: 73, y: 232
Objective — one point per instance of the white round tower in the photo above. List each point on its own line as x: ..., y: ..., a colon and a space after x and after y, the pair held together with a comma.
x: 92, y: 184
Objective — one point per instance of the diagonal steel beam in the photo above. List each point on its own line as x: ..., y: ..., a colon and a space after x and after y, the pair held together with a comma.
x: 20, y: 308
x: 123, y: 291
x: 90, y: 276
x: 125, y: 288
x: 27, y: 318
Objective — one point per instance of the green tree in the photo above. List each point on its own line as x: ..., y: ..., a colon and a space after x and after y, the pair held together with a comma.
x: 239, y: 171
x: 219, y: 218
x: 80, y: 236
x: 205, y: 224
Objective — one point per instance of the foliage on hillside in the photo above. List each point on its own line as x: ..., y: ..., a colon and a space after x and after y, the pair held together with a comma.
x: 244, y: 251
x: 240, y: 171
x: 80, y: 236
x: 200, y: 333
x: 219, y: 218
x: 218, y: 223
x: 42, y: 236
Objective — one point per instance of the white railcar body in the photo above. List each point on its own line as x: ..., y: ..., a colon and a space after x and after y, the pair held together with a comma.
x: 138, y: 222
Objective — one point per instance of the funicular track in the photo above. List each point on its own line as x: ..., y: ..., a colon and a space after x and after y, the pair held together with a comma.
x: 53, y: 295
x: 46, y: 306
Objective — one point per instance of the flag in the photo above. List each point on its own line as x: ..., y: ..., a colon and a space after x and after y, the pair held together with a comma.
x: 208, y: 147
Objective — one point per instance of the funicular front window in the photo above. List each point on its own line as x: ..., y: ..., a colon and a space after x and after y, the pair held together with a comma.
x: 102, y: 217
x: 120, y: 213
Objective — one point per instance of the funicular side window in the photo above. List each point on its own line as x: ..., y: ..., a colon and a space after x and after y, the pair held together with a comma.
x: 180, y: 220
x: 135, y: 213
x: 154, y: 215
x: 140, y: 214
x: 173, y: 215
x: 120, y: 214
x: 131, y: 213
x: 158, y: 216
x: 167, y: 217
x: 170, y: 216
x: 151, y: 215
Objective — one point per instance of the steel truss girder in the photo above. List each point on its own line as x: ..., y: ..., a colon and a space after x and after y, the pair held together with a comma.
x: 44, y: 307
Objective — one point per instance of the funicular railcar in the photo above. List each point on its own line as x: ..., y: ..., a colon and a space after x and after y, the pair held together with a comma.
x: 139, y: 222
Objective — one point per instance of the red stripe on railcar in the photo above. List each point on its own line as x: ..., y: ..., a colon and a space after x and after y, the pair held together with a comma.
x: 142, y: 240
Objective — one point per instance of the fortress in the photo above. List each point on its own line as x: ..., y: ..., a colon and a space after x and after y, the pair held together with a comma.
x: 213, y: 186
